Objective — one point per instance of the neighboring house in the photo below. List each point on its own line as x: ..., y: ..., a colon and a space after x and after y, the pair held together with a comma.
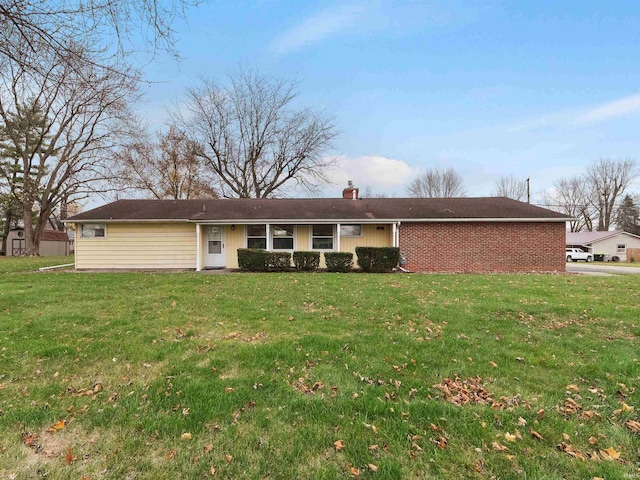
x: 613, y: 246
x: 434, y: 235
x: 52, y: 242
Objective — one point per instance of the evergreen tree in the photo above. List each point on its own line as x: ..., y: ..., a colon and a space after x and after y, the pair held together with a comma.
x: 23, y: 138
x: 628, y: 216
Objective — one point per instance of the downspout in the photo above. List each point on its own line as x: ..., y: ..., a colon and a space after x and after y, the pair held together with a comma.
x: 198, y: 248
x: 396, y: 241
x: 338, y: 236
x: 268, y: 233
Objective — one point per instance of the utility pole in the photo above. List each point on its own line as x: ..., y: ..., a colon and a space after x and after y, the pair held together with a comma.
x: 528, y: 191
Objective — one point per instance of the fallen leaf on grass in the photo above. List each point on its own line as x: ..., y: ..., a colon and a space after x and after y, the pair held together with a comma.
x: 535, y: 434
x: 499, y: 447
x: 69, y: 457
x: 372, y: 467
x: 228, y: 390
x: 185, y: 436
x: 60, y: 425
x: 633, y: 425
x: 493, y: 364
x: 212, y: 471
x: 228, y: 458
x: 170, y: 455
x: 339, y: 445
x: 372, y: 448
x: 373, y: 428
x: 354, y: 471
x: 521, y: 422
x: 208, y: 448
x: 442, y: 443
x: 593, y: 440
x: 509, y: 438
x: 626, y: 408
x: 610, y: 454
x: 29, y: 439
x: 569, y: 450
x: 478, y: 466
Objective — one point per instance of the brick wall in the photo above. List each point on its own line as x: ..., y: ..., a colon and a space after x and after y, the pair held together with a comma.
x: 483, y: 247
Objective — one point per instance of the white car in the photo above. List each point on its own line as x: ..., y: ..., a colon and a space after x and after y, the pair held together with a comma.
x: 575, y: 254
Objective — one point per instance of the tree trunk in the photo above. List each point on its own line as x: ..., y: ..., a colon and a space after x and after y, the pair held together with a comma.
x: 31, y: 234
x: 5, y: 230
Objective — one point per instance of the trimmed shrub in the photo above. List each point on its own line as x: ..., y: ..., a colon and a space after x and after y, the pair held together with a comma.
x: 338, y: 261
x: 378, y: 259
x: 306, y: 261
x: 257, y: 260
x: 279, y: 261
x: 253, y: 259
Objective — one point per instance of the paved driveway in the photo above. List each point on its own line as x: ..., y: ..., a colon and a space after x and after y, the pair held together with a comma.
x: 597, y: 268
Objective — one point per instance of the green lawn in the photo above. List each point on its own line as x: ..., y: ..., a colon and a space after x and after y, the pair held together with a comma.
x: 282, y: 376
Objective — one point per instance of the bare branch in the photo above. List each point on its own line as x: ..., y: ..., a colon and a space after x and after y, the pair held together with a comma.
x: 437, y: 183
x: 253, y: 140
x: 511, y: 187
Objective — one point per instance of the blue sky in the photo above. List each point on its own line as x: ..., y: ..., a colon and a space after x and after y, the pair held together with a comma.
x: 534, y: 89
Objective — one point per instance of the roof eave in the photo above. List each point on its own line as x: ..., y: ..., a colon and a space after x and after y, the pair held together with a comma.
x: 315, y: 220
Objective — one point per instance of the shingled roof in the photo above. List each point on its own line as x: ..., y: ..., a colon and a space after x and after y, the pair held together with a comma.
x: 369, y: 210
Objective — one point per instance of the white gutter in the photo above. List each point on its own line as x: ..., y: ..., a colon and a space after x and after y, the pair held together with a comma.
x: 305, y: 221
x: 130, y: 220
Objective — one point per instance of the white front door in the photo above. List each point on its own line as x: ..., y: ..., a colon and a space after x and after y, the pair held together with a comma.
x: 214, y: 247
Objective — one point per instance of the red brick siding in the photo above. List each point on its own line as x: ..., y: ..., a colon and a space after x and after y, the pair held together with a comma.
x: 483, y: 247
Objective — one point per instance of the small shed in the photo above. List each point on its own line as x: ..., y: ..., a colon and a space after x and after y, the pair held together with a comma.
x: 608, y: 246
x: 52, y: 243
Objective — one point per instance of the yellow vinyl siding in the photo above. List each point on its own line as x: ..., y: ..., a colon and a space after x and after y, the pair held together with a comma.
x: 141, y: 245
x: 235, y: 240
x: 371, y: 237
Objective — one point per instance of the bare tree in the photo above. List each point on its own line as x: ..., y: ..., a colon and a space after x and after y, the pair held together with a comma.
x: 437, y: 183
x: 107, y: 27
x: 571, y: 197
x: 608, y: 180
x: 63, y: 151
x: 167, y: 168
x: 511, y: 187
x: 256, y: 143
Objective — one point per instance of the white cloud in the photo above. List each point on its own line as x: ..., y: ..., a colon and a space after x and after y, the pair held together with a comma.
x: 609, y: 111
x: 581, y: 117
x: 380, y: 174
x: 324, y: 24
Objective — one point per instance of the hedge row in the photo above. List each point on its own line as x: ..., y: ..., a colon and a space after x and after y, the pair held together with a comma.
x: 370, y: 259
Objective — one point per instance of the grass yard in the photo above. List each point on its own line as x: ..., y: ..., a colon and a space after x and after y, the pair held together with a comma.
x: 323, y: 376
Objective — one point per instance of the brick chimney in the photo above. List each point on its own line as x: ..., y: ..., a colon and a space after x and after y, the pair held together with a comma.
x: 351, y: 192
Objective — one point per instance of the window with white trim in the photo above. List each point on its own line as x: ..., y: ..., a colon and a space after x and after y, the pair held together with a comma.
x: 257, y: 236
x: 350, y: 230
x: 322, y: 237
x: 282, y: 237
x: 622, y: 248
x: 93, y: 230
